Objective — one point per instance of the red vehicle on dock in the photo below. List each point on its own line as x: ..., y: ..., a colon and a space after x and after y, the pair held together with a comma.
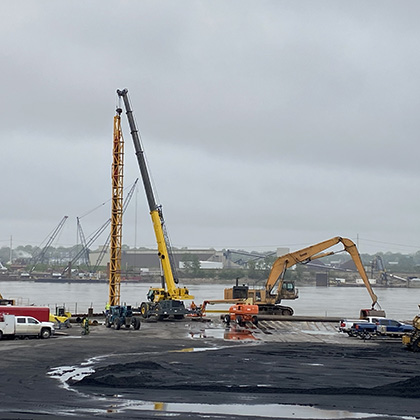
x: 40, y: 313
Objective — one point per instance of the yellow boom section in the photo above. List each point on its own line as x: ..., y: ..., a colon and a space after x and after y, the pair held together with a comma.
x: 116, y: 214
x: 163, y: 252
x: 173, y: 291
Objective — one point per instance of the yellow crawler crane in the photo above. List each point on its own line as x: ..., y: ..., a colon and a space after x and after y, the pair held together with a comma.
x: 167, y: 300
x: 277, y: 288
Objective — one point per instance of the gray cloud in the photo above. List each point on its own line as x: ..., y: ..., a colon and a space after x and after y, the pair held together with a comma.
x: 272, y: 123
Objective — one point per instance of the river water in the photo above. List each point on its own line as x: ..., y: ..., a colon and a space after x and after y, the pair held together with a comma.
x: 399, y: 303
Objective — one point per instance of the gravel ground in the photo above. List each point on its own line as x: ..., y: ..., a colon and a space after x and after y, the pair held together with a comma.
x: 190, y: 367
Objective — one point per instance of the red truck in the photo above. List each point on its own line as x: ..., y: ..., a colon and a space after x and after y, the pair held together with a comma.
x: 41, y: 313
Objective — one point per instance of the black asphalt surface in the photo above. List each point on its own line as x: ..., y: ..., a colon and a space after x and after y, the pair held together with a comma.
x: 139, y: 374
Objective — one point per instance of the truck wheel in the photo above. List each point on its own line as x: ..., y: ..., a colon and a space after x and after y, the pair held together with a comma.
x: 416, y: 345
x: 144, y: 309
x: 255, y: 320
x: 1, y: 335
x: 45, y: 333
x: 117, y: 323
x: 136, y: 323
x: 239, y: 320
x: 226, y: 319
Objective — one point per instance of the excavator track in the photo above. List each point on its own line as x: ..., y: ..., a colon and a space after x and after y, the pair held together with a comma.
x: 275, y: 310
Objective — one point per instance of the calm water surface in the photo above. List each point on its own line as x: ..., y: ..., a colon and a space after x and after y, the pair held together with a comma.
x: 399, y: 303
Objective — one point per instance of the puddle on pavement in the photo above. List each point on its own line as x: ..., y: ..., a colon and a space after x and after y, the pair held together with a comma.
x: 232, y: 333
x: 66, y: 373
x: 274, y: 411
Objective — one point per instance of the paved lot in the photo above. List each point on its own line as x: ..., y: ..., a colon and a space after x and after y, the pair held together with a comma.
x: 201, y: 367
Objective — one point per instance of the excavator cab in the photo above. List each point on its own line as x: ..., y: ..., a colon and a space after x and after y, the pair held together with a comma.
x: 288, y: 291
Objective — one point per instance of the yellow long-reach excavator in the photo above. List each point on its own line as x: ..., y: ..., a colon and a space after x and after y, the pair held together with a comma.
x: 166, y: 300
x: 269, y: 298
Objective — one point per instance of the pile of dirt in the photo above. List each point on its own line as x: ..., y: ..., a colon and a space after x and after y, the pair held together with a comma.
x: 270, y: 369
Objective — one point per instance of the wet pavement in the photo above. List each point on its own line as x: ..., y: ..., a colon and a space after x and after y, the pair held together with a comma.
x: 192, y: 369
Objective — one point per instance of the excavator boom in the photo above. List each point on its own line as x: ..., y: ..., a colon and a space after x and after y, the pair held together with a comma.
x: 314, y: 252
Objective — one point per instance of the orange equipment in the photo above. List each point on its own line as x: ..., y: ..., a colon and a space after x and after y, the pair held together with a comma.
x: 241, y: 313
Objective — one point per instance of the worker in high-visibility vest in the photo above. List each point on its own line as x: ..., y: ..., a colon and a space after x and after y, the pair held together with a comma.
x: 85, y: 326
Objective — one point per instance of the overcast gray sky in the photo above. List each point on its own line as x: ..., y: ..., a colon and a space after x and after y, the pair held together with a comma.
x: 265, y: 123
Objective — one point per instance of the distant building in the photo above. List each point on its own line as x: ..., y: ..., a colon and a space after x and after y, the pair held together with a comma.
x: 148, y: 260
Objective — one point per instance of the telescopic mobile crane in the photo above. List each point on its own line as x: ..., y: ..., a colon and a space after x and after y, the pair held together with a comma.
x: 166, y: 300
x: 269, y: 298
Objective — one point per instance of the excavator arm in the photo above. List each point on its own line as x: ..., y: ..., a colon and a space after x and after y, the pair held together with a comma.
x: 311, y: 253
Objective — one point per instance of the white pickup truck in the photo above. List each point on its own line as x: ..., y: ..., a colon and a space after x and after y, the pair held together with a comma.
x: 24, y: 326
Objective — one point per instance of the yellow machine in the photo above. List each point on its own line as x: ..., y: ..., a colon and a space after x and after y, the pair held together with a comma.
x: 412, y: 341
x: 4, y: 301
x: 61, y: 317
x: 116, y: 213
x: 166, y: 300
x: 268, y: 298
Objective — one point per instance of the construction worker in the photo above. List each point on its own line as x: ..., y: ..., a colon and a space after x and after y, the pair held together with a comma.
x: 107, y: 307
x: 85, y: 326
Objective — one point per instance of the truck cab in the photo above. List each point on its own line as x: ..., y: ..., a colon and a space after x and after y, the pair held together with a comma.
x: 393, y: 327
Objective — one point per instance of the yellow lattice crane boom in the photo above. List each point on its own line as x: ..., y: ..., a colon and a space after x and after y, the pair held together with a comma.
x: 117, y: 177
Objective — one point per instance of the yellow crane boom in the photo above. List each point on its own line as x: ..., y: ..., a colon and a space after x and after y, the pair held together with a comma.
x: 117, y: 177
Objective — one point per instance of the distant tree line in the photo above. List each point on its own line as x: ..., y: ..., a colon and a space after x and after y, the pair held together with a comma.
x: 257, y: 269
